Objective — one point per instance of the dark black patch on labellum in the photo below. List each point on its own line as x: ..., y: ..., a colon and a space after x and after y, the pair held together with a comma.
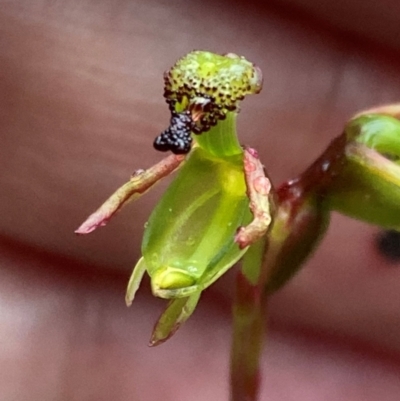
x: 176, y: 137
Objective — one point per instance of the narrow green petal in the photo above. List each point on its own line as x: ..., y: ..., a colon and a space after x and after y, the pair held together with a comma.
x: 176, y: 313
x: 135, y: 280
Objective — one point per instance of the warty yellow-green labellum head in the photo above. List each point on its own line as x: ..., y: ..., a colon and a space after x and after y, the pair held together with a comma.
x: 201, y: 89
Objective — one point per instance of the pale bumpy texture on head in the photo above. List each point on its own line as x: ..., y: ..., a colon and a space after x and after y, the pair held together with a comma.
x: 201, y: 88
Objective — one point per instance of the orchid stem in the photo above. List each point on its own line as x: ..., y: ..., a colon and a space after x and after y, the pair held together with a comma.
x: 249, y: 311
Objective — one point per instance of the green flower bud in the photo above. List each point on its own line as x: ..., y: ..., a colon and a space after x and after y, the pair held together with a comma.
x: 378, y: 132
x: 367, y: 187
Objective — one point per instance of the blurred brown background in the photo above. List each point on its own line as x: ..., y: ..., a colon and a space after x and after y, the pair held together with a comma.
x: 80, y: 103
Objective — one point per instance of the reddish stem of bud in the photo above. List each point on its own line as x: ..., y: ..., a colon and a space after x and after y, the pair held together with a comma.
x: 317, y: 177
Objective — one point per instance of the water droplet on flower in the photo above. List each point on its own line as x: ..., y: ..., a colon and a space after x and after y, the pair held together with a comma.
x: 325, y: 166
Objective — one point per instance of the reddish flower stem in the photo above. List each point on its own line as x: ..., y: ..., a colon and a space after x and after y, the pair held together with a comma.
x: 249, y: 313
